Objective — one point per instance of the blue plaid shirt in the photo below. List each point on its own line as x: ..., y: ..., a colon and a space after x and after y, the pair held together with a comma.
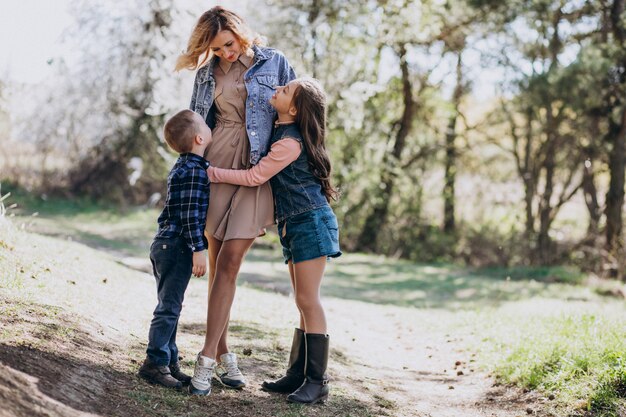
x: 187, y: 201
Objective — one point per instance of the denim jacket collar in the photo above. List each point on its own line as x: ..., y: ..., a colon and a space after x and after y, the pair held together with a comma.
x: 259, y: 54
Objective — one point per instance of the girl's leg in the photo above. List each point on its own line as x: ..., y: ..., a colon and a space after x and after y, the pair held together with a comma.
x: 292, y: 275
x: 222, y: 291
x: 294, y: 377
x: 308, y: 279
x: 214, y: 250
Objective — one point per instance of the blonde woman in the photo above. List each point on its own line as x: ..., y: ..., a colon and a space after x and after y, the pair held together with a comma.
x: 236, y: 76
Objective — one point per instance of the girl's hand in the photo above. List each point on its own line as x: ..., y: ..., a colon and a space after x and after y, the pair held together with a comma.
x: 199, y: 263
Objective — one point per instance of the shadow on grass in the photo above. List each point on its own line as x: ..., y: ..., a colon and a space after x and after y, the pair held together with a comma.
x: 386, y: 281
x: 241, y: 329
x: 264, y: 357
x: 366, y: 278
x: 124, y: 231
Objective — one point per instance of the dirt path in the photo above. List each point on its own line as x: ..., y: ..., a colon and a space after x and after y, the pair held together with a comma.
x: 422, y: 371
x: 74, y: 322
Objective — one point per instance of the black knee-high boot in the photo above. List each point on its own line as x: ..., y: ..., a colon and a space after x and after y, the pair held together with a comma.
x: 294, y: 376
x: 315, y: 386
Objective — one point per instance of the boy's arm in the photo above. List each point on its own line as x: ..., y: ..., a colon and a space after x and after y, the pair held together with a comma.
x: 193, y: 189
x: 281, y: 154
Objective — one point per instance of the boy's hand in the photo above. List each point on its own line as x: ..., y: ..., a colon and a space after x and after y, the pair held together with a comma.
x: 199, y: 263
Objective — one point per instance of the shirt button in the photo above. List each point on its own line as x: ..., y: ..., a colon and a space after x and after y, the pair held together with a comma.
x: 251, y: 104
x: 252, y: 133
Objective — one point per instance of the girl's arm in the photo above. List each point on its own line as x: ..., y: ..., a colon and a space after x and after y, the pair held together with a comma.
x: 281, y: 154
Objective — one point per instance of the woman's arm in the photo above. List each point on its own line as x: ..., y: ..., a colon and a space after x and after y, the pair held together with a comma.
x: 281, y: 154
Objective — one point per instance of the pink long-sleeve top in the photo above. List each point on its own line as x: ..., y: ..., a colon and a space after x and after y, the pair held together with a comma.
x: 281, y: 154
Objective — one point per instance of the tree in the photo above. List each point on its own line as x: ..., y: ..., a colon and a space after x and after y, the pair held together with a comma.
x: 134, y: 64
x: 105, y: 106
x: 549, y: 157
x: 616, y: 136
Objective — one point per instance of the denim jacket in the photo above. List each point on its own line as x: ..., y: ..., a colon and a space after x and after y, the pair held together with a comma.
x: 269, y: 69
x: 295, y: 188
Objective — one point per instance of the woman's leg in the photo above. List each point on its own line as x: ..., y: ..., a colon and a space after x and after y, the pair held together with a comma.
x: 222, y: 291
x: 308, y: 279
x: 214, y: 250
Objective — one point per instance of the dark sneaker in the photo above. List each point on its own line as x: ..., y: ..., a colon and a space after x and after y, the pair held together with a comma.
x: 228, y: 373
x: 179, y: 375
x: 160, y: 375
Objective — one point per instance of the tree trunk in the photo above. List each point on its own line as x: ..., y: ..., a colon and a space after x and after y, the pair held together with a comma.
x: 451, y: 152
x: 617, y: 163
x: 368, y: 239
x: 530, y: 183
x: 545, y: 248
x: 544, y: 243
x: 314, y: 12
x: 590, y: 191
x: 615, y: 194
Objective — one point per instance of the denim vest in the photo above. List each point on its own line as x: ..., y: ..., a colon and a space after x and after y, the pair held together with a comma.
x: 269, y: 69
x: 295, y: 188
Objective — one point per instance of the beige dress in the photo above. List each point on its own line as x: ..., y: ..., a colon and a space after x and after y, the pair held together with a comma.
x: 235, y: 212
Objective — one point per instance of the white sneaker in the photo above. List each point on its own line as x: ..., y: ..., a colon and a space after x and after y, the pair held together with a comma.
x: 228, y: 372
x: 202, y: 374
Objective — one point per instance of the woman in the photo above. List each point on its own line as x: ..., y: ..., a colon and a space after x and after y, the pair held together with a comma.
x: 298, y: 169
x: 235, y: 80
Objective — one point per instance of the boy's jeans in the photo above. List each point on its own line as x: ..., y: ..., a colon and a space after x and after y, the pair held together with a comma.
x: 172, y: 263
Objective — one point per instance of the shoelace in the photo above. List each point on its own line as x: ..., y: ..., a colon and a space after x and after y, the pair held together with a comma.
x: 232, y: 369
x: 202, y: 372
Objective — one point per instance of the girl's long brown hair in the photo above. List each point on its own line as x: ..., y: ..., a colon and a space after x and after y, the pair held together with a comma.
x: 209, y: 25
x: 309, y: 100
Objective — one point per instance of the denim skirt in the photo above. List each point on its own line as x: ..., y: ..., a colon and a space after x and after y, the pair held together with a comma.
x: 310, y: 235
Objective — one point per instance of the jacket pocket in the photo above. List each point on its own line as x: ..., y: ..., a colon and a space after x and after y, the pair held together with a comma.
x: 267, y: 85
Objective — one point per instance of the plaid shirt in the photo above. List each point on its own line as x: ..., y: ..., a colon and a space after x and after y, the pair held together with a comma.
x: 187, y: 201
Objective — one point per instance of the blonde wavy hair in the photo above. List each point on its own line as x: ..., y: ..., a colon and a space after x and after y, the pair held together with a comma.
x: 209, y: 25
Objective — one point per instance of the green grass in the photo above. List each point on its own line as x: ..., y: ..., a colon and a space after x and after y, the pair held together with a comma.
x: 127, y: 231
x: 575, y: 352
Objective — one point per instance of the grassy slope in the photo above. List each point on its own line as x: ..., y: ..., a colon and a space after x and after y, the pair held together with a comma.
x: 56, y: 307
x: 563, y: 339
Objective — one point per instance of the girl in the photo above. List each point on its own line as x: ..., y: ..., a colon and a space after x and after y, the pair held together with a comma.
x: 235, y: 79
x: 298, y: 168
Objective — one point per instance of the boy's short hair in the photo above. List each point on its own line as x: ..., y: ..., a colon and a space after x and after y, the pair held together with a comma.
x: 180, y: 131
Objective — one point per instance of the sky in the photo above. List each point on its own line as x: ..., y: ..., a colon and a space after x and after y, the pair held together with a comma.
x: 30, y: 34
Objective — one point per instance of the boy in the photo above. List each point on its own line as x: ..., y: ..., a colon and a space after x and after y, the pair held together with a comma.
x: 179, y: 247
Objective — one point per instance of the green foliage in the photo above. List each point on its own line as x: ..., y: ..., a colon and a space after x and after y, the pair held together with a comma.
x: 559, y: 102
x: 612, y: 387
x: 577, y: 356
